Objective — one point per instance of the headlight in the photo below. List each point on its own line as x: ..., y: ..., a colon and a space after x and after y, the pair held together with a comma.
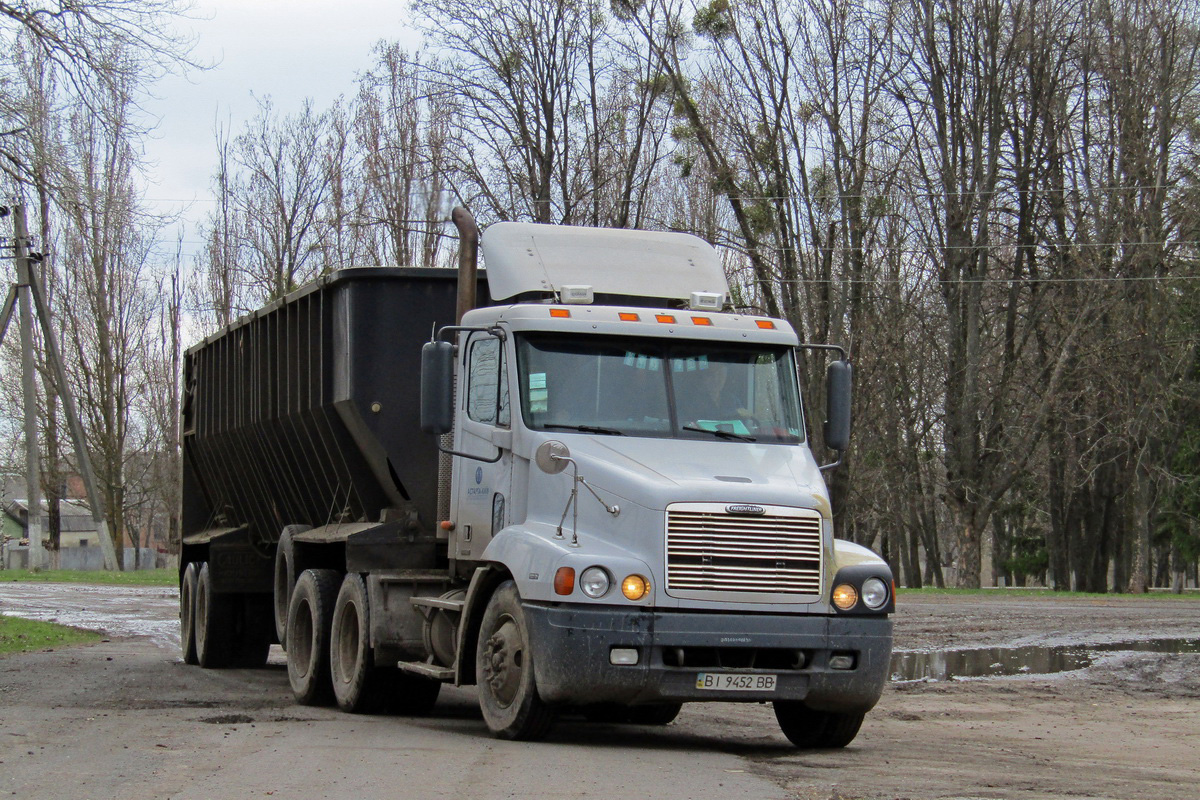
x: 874, y: 593
x: 845, y: 597
x: 594, y: 582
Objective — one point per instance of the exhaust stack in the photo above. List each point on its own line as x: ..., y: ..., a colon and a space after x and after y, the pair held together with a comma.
x: 468, y: 260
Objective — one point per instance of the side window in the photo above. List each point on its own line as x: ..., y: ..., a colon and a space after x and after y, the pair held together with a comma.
x: 487, y: 382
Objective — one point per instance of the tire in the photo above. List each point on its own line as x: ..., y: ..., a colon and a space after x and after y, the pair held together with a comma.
x: 351, y: 658
x: 808, y: 729
x: 215, y: 623
x: 310, y: 616
x: 658, y: 714
x: 504, y: 669
x: 285, y: 579
x: 187, y: 613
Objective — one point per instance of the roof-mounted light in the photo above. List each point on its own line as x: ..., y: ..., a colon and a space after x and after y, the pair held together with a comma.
x: 576, y: 294
x: 707, y: 301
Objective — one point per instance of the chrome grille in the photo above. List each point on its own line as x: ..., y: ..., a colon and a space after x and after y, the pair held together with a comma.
x: 712, y: 553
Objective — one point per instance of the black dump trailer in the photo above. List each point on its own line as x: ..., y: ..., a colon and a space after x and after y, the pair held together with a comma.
x: 301, y: 449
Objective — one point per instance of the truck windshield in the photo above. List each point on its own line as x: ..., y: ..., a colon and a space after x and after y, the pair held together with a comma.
x: 619, y: 386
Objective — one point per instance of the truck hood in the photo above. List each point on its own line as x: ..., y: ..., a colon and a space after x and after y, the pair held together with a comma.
x: 655, y: 472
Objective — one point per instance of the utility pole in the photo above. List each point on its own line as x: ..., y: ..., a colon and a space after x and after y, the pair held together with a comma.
x: 33, y: 481
x: 29, y: 295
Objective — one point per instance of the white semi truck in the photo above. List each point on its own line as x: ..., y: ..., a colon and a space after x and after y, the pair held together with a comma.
x: 590, y: 491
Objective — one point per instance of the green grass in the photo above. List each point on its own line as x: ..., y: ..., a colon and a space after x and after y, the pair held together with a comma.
x: 144, y: 577
x: 1045, y: 594
x: 25, y: 635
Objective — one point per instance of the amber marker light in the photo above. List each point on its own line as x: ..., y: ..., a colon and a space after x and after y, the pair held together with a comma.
x: 635, y: 587
x: 765, y: 324
x: 845, y: 597
x: 701, y: 321
x: 667, y: 318
x: 628, y: 316
x: 559, y: 312
x: 564, y: 580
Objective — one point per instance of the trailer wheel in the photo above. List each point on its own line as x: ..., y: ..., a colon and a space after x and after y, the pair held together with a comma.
x: 187, y: 613
x: 351, y: 659
x: 310, y: 615
x: 508, y: 693
x: 285, y: 579
x: 808, y: 728
x: 215, y: 623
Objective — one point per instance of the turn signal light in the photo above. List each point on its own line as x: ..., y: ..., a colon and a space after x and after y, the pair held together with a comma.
x: 635, y: 587
x: 564, y: 580
x: 845, y: 597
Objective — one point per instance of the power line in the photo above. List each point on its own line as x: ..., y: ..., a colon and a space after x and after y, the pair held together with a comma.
x: 877, y: 281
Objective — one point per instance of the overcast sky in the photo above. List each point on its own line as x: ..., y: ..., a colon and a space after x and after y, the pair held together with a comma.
x: 288, y: 50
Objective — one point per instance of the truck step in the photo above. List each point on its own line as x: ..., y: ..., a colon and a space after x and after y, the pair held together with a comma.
x: 437, y: 602
x: 427, y: 670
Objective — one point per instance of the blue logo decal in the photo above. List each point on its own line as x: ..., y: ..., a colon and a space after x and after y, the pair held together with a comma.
x: 478, y: 475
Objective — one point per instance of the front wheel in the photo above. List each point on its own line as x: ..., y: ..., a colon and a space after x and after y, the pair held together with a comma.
x: 810, y: 729
x: 508, y: 693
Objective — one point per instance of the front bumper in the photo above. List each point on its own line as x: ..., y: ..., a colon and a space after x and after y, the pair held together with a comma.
x: 571, y: 646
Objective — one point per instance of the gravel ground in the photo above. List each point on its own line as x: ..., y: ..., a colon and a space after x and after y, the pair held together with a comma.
x: 127, y: 719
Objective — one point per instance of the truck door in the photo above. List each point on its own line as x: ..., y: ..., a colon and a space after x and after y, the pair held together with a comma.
x: 481, y: 489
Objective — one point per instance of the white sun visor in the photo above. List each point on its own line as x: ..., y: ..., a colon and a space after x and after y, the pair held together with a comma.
x: 526, y: 257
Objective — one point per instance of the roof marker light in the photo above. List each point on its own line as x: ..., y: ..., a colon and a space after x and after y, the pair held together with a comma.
x: 560, y: 312
x: 701, y: 321
x: 765, y: 324
x: 628, y: 316
x: 667, y: 318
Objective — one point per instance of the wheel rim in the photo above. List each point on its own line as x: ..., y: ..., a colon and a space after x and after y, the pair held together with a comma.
x: 185, y: 607
x: 348, y: 641
x: 201, y: 613
x: 303, y: 635
x: 504, y: 662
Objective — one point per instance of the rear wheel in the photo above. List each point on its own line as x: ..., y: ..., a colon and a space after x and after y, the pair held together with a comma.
x: 215, y: 623
x: 351, y: 659
x: 310, y: 617
x: 187, y: 613
x: 808, y: 728
x: 508, y: 693
x: 285, y: 579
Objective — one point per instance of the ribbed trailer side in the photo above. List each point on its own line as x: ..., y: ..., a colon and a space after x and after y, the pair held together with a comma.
x: 307, y: 411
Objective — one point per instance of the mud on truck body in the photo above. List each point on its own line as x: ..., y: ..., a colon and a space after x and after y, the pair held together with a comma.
x: 591, y: 494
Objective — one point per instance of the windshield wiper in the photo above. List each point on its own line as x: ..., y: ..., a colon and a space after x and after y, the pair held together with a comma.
x: 721, y: 434
x: 585, y: 429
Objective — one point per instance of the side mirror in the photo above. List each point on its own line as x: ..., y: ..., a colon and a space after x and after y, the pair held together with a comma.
x: 837, y: 405
x: 437, y: 387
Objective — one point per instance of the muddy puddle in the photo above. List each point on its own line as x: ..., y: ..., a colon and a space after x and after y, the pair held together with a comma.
x: 1030, y: 660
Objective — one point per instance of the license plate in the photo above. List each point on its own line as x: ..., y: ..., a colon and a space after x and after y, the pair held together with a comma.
x: 735, y: 682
